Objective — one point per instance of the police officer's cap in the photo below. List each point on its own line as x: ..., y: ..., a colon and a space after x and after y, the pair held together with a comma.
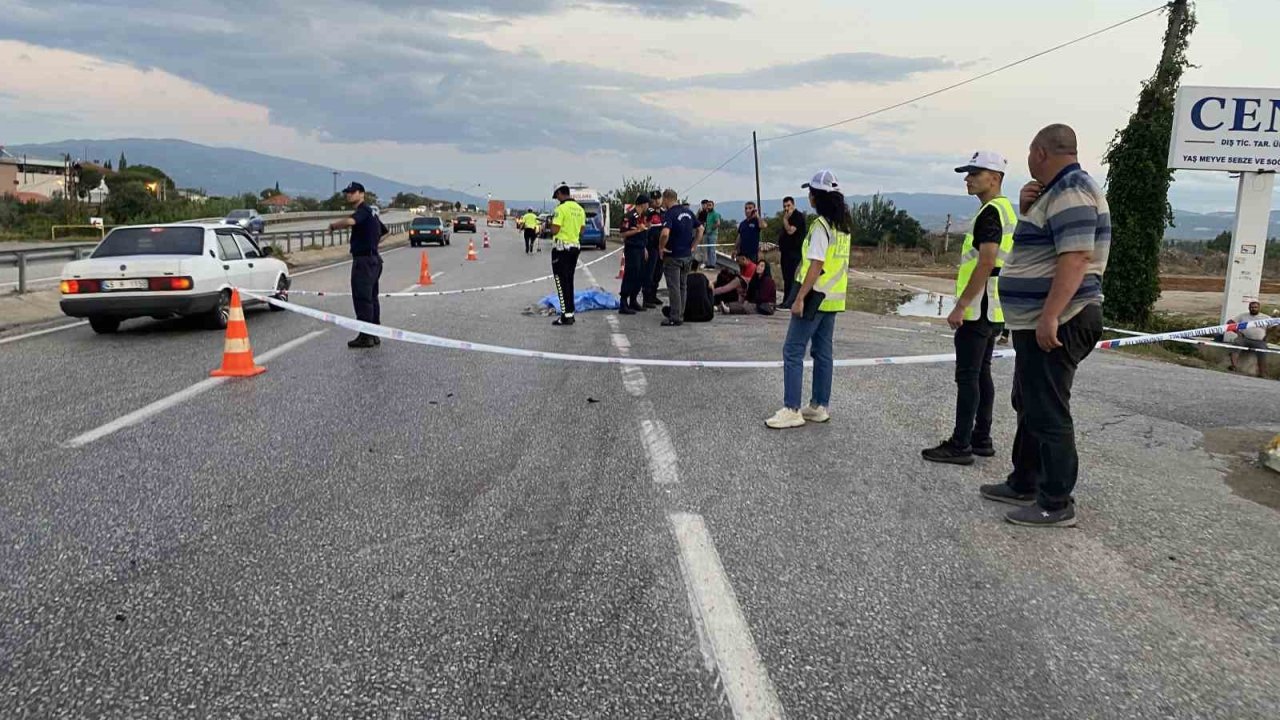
x: 642, y: 200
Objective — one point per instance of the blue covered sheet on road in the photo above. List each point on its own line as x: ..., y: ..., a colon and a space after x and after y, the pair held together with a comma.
x: 584, y: 300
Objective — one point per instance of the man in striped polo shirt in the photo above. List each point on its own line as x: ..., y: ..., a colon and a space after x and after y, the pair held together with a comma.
x: 1051, y: 288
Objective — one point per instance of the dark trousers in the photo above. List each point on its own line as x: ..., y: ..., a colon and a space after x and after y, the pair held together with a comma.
x: 564, y: 263
x: 1044, y: 448
x: 529, y: 236
x: 975, y: 392
x: 365, y: 272
x: 652, y: 272
x: 632, y: 272
x: 677, y: 273
x: 790, y: 265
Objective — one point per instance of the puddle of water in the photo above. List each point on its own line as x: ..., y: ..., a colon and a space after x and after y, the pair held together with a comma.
x: 927, y: 305
x: 1246, y: 476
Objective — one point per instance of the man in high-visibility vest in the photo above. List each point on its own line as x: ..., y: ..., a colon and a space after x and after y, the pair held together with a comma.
x: 530, y: 224
x: 978, y: 317
x: 566, y: 238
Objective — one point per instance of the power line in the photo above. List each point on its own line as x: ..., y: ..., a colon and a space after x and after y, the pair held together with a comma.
x: 939, y: 91
x: 718, y: 169
x: 974, y: 79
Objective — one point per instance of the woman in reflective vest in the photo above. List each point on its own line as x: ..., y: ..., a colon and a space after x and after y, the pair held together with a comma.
x: 823, y: 278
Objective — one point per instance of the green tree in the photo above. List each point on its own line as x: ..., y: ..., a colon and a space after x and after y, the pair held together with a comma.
x: 88, y: 177
x: 1221, y: 243
x: 123, y: 164
x: 1139, y: 178
x: 306, y: 204
x: 129, y: 203
x: 878, y: 221
x: 627, y: 193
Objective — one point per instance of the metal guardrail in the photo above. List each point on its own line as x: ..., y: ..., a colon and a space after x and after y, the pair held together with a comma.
x: 20, y: 258
x: 305, y: 239
x: 287, y: 240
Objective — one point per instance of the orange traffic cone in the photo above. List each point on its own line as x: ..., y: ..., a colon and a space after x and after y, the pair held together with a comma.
x: 424, y: 270
x: 622, y: 267
x: 237, y: 356
x: 486, y: 239
x: 471, y: 250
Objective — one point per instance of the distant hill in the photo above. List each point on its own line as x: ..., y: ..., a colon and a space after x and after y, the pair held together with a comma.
x: 230, y: 171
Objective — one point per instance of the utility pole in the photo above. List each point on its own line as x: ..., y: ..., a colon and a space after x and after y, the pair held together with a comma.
x: 946, y: 236
x: 755, y: 150
x: 336, y: 173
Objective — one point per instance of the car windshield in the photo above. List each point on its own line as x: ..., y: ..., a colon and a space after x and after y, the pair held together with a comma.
x: 151, y: 241
x: 427, y: 222
x: 238, y: 214
x: 591, y: 209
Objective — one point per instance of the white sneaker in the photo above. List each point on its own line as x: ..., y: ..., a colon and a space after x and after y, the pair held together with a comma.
x: 785, y: 418
x: 815, y: 414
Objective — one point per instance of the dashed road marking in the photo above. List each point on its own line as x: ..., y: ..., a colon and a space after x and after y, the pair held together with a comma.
x: 177, y: 398
x: 722, y: 628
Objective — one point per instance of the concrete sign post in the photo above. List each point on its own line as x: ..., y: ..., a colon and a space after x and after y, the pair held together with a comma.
x: 1234, y: 130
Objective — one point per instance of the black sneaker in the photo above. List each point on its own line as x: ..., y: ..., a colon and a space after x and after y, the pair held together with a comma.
x: 362, y: 341
x: 948, y: 452
x: 637, y: 305
x: 1001, y: 492
x: 984, y: 449
x: 1036, y: 516
x: 626, y: 310
x: 671, y: 323
x: 376, y: 340
x: 562, y: 321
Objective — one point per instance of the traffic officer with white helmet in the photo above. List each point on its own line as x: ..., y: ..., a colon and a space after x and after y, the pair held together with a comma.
x: 978, y: 317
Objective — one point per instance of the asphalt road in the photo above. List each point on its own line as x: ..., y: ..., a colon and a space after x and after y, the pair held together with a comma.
x: 44, y: 273
x: 417, y: 532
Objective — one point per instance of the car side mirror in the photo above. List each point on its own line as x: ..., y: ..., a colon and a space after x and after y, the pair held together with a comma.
x: 268, y: 251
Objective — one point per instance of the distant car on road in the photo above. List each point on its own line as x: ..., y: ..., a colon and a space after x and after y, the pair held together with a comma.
x: 164, y: 271
x: 464, y: 223
x: 428, y: 229
x: 248, y: 219
x: 544, y: 225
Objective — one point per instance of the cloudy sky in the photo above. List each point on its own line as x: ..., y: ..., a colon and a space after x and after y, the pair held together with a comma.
x: 515, y: 95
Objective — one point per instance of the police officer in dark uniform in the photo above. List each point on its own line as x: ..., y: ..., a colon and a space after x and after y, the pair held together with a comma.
x: 653, y: 261
x: 366, y: 263
x: 635, y: 237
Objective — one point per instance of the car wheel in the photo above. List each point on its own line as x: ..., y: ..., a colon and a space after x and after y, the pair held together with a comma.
x: 104, y: 325
x: 282, y: 293
x: 216, y: 319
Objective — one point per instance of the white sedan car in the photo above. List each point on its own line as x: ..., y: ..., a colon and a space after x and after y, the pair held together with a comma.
x: 164, y: 271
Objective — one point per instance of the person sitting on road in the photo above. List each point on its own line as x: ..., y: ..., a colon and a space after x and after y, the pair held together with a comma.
x: 737, y: 287
x: 699, y: 304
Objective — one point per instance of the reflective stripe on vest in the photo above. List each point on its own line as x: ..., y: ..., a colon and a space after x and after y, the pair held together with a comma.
x: 969, y: 261
x: 834, y: 279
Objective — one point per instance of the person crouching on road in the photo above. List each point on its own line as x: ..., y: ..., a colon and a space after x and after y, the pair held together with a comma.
x: 823, y: 276
x: 635, y: 236
x: 978, y: 317
x: 530, y: 224
x: 681, y: 231
x: 566, y: 234
x: 366, y: 263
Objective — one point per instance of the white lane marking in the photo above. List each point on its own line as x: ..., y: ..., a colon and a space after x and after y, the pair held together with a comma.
x: 722, y: 628
x: 621, y: 342
x: 338, y: 264
x: 177, y: 398
x: 46, y: 331
x: 415, y: 286
x: 894, y: 329
x: 663, y: 461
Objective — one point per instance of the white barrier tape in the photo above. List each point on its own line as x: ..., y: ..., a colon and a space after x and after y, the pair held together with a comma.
x: 439, y: 293
x: 1206, y: 343
x: 435, y: 341
x: 1198, y: 332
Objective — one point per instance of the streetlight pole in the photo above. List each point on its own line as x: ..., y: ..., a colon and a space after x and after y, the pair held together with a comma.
x: 336, y: 173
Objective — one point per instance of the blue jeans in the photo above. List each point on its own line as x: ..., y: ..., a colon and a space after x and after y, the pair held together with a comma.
x: 800, y: 334
x: 711, y: 241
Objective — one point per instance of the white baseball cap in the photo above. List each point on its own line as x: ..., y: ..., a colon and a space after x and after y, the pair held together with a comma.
x: 824, y: 180
x: 985, y: 160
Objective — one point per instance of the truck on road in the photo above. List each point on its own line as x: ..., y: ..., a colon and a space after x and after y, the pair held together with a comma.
x: 497, y: 214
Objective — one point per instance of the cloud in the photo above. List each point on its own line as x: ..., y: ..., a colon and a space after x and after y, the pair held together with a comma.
x: 844, y: 67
